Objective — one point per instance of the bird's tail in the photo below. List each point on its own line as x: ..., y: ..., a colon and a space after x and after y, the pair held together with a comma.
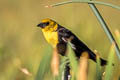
x: 103, y: 62
x: 93, y: 56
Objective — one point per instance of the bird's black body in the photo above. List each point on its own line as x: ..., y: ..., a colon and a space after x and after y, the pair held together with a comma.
x: 50, y: 27
x: 77, y: 45
x: 63, y: 37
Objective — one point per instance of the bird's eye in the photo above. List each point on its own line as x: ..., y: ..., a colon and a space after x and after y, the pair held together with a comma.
x: 47, y: 23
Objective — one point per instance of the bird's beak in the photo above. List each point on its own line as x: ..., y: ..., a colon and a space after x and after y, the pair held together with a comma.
x: 41, y: 25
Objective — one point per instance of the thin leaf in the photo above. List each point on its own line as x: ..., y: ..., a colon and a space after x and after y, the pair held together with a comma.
x: 117, y: 34
x: 109, y: 67
x: 73, y: 62
x: 44, y: 66
x: 64, y: 61
x: 98, y: 69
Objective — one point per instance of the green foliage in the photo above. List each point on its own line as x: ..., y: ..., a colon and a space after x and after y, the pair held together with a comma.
x: 109, y: 67
x: 117, y: 34
x: 73, y: 62
x: 63, y: 62
x: 87, y: 1
x: 44, y: 66
x: 98, y: 70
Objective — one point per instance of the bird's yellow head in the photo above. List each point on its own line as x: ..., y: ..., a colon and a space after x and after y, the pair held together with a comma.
x: 48, y: 25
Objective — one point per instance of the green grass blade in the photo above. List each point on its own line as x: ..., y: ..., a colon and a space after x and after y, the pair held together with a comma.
x: 86, y: 1
x: 64, y: 61
x: 98, y: 69
x: 44, y: 66
x: 117, y: 34
x: 73, y: 62
x: 109, y: 67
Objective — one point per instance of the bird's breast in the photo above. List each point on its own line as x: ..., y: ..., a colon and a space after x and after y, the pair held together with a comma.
x: 51, y: 37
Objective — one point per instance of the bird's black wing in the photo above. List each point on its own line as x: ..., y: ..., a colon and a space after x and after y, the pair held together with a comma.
x: 61, y: 48
x: 77, y: 45
x: 62, y: 45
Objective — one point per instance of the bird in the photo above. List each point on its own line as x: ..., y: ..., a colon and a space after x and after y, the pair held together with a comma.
x: 59, y: 36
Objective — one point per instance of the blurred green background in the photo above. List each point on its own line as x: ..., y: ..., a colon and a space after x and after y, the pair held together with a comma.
x: 22, y: 44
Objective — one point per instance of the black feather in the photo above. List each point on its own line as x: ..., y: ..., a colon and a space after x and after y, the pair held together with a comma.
x: 77, y: 45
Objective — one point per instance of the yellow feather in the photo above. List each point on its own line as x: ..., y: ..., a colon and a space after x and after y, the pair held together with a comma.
x: 50, y: 33
x: 51, y: 37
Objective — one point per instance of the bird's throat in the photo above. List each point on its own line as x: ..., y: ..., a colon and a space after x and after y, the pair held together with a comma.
x: 51, y: 37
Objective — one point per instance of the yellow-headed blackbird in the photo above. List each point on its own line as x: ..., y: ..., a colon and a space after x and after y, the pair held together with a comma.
x: 58, y: 37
